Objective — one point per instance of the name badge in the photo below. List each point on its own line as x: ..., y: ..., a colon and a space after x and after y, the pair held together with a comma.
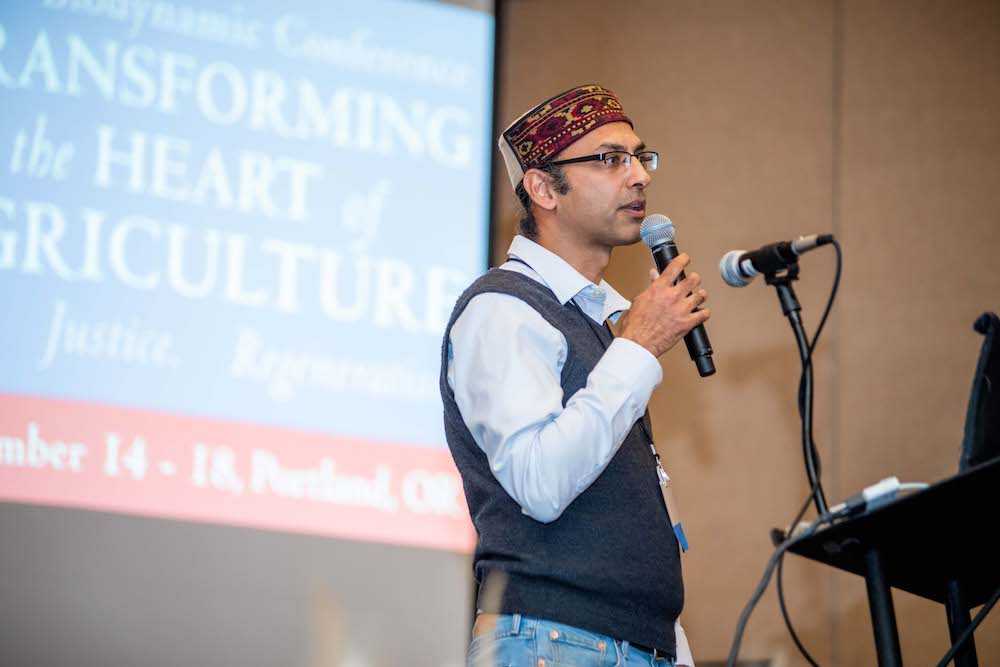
x: 666, y: 487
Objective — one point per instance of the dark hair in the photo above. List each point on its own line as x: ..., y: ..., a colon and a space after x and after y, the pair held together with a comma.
x: 528, y: 226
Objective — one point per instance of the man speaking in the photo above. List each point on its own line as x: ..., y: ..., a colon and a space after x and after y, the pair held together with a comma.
x: 544, y: 408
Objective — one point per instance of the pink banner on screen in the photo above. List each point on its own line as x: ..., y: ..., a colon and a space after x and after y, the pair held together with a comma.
x: 80, y: 454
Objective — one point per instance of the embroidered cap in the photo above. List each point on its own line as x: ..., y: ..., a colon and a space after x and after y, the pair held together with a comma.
x: 542, y: 133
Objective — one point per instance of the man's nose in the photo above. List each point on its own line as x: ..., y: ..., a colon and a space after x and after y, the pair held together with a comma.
x: 637, y: 174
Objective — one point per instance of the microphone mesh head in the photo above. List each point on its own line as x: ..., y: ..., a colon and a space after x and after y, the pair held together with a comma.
x: 729, y: 267
x: 656, y: 230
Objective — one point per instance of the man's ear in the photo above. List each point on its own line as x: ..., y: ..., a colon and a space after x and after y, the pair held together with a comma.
x: 538, y: 185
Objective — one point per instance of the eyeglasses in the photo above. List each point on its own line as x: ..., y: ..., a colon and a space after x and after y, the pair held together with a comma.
x: 616, y: 160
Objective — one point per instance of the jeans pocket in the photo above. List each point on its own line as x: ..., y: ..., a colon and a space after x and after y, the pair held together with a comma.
x: 504, y: 651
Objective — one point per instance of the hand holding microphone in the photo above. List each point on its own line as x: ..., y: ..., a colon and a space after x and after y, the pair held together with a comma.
x: 664, y: 312
x: 668, y: 309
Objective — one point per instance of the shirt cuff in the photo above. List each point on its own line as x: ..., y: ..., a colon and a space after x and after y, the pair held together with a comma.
x: 634, y: 365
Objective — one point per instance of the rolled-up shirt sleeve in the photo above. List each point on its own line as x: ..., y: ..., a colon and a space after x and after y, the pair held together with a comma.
x: 504, y: 367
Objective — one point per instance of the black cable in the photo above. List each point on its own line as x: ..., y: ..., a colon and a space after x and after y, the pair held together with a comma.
x: 741, y: 625
x: 805, y: 401
x: 788, y: 621
x: 964, y: 637
x: 797, y: 519
x: 809, y: 452
x: 807, y: 365
x: 829, y: 301
x: 803, y: 395
x: 781, y: 592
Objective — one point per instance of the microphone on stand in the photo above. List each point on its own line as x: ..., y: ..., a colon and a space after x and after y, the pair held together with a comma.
x: 739, y: 267
x: 658, y: 233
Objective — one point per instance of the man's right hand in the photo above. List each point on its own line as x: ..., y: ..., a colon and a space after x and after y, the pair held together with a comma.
x: 662, y: 313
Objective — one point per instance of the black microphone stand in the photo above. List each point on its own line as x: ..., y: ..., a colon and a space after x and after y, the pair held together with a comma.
x: 791, y: 309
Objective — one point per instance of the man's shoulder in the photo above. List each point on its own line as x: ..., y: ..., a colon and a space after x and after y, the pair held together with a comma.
x: 503, y: 293
x: 501, y: 276
x: 505, y: 281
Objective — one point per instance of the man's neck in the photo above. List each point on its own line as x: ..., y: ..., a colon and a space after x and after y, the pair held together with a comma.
x: 590, y: 261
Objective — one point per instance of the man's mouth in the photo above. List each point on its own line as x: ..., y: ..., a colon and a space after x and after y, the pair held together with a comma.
x: 637, y: 207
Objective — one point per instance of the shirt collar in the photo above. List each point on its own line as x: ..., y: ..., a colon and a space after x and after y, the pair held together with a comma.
x: 566, y: 282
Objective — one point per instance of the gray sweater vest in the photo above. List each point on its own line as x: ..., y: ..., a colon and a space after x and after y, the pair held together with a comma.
x: 610, y: 563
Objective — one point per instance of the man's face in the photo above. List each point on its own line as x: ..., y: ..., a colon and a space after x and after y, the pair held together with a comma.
x: 604, y: 206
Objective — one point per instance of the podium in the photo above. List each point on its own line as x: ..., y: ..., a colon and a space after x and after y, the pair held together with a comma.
x: 934, y: 543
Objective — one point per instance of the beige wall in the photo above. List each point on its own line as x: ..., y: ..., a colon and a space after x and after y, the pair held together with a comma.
x: 875, y: 120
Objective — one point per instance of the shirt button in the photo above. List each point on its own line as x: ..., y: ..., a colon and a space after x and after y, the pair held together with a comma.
x: 554, y: 634
x: 541, y: 662
x: 601, y: 645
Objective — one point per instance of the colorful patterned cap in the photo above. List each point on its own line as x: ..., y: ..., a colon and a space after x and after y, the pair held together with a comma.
x: 542, y: 133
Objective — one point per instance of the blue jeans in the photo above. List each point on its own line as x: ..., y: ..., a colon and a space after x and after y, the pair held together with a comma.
x: 523, y: 641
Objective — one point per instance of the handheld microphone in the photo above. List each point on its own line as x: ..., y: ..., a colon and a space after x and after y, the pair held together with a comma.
x: 658, y: 233
x: 739, y: 267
